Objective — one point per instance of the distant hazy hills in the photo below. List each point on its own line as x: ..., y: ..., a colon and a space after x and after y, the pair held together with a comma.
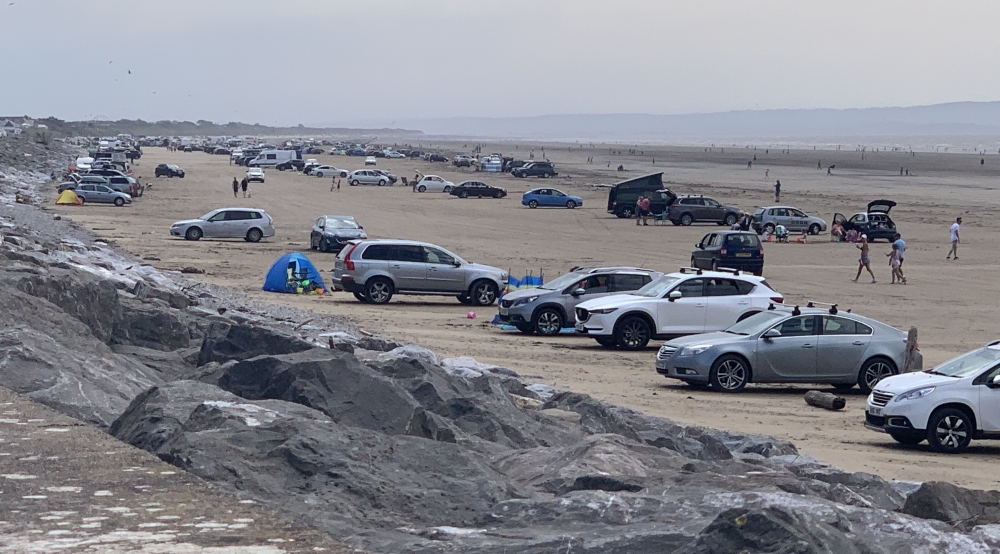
x: 956, y: 118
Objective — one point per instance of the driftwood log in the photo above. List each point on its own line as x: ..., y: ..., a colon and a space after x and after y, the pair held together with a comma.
x: 825, y: 400
x: 913, y: 360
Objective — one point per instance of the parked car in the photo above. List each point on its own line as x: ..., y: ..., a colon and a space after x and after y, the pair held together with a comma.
x: 101, y: 194
x: 250, y: 224
x: 255, y: 174
x: 729, y: 249
x: 794, y: 220
x: 433, y: 183
x: 462, y: 160
x: 549, y: 197
x: 370, y: 160
x: 682, y: 303
x: 367, y: 177
x: 293, y: 164
x: 329, y: 171
x: 416, y: 153
x: 784, y: 345
x: 169, y: 170
x: 394, y: 154
x: 535, y: 169
x: 477, y: 189
x: 331, y: 232
x: 688, y: 209
x: 547, y: 309
x: 436, y: 158
x: 623, y: 196
x: 388, y: 175
x: 947, y: 405
x: 375, y: 270
x: 875, y: 222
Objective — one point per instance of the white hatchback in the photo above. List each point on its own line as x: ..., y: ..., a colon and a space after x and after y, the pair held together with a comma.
x: 948, y: 405
x: 433, y: 183
x: 683, y: 303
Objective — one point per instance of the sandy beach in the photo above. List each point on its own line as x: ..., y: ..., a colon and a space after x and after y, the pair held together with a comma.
x: 953, y: 304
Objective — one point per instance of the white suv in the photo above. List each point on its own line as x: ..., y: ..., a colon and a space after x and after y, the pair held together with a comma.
x: 683, y: 303
x: 948, y: 405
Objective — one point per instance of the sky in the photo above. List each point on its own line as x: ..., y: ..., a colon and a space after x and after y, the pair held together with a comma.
x: 339, y: 62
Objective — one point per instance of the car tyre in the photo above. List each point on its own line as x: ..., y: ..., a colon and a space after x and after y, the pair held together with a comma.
x: 355, y: 183
x: 421, y: 188
x: 483, y: 293
x: 254, y: 235
x: 381, y: 183
x: 119, y: 202
x: 320, y: 174
x: 633, y: 333
x: 545, y: 175
x: 361, y: 298
x: 949, y: 430
x: 378, y: 290
x: 627, y: 212
x: 769, y: 228
x: 193, y: 233
x: 909, y: 439
x: 533, y: 203
x: 570, y: 204
x: 729, y: 373
x: 730, y: 220
x: 447, y: 190
x: 687, y: 219
x: 814, y: 229
x: 873, y: 371
x: 715, y: 265
x: 548, y: 322
x: 463, y: 194
x: 694, y: 263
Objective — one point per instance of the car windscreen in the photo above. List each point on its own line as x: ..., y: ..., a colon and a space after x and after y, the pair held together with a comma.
x: 656, y: 288
x: 564, y: 281
x: 969, y: 363
x: 756, y: 323
x: 340, y: 223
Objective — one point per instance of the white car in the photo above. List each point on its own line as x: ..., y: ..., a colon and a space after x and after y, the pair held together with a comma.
x: 370, y: 160
x: 394, y: 154
x: 255, y: 174
x: 948, y: 405
x: 433, y: 183
x: 683, y: 303
x: 329, y: 171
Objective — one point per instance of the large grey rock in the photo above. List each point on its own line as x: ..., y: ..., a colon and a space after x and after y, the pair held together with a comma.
x: 229, y: 340
x: 91, y: 300
x: 151, y: 326
x: 963, y: 508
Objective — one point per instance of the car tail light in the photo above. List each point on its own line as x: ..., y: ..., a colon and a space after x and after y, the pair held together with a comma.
x: 723, y: 251
x: 761, y: 253
x: 778, y: 299
x: 348, y: 263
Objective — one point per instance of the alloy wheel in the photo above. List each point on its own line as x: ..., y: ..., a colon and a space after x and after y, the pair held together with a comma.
x: 634, y: 334
x: 378, y: 292
x: 732, y: 375
x: 875, y: 372
x: 549, y: 323
x: 484, y: 294
x: 951, y: 432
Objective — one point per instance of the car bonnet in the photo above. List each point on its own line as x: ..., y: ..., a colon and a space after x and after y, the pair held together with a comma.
x: 611, y: 301
x: 706, y: 338
x: 898, y: 384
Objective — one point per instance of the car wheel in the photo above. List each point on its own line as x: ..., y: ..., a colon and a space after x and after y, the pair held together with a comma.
x: 533, y: 203
x: 447, y: 190
x: 548, y: 322
x: 675, y: 223
x: 343, y: 174
x: 909, y: 439
x: 193, y: 233
x: 570, y: 204
x: 633, y: 333
x: 627, y: 212
x: 694, y: 263
x: 378, y: 290
x: 526, y: 328
x: 421, y: 188
x: 463, y: 194
x: 715, y: 265
x: 729, y: 373
x: 686, y: 220
x: 730, y: 220
x: 873, y: 371
x: 354, y: 183
x: 769, y: 228
x: 254, y: 235
x: 381, y: 183
x: 483, y: 293
x: 814, y: 229
x: 949, y: 430
x: 362, y: 298
x: 545, y: 175
x: 119, y: 202
x: 281, y: 168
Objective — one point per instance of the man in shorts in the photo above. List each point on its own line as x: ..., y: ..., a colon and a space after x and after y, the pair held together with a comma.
x: 901, y: 246
x: 864, y: 261
x: 955, y: 239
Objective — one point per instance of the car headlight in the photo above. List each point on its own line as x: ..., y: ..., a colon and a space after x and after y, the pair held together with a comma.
x: 603, y: 311
x: 915, y: 394
x: 523, y: 301
x: 504, y: 276
x: 694, y: 350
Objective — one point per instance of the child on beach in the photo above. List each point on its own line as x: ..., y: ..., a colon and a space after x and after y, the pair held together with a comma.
x: 895, y: 262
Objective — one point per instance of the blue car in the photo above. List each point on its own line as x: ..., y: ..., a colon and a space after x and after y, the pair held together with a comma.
x: 547, y: 197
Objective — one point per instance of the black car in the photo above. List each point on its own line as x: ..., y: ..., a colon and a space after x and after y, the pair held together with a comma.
x: 729, y: 249
x: 436, y: 158
x: 691, y: 208
x: 477, y: 189
x: 875, y: 223
x: 535, y: 169
x: 331, y: 232
x: 296, y: 165
x: 169, y: 170
x: 416, y: 154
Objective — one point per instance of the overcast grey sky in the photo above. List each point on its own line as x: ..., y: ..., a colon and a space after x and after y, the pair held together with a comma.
x: 358, y: 61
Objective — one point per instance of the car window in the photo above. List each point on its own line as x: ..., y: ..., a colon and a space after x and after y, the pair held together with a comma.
x: 833, y: 325
x: 721, y: 287
x: 558, y: 193
x: 688, y: 201
x: 797, y: 326
x: 859, y: 218
x: 408, y: 253
x: 255, y: 215
x: 744, y: 286
x: 691, y: 287
x: 781, y: 212
x: 378, y: 252
x: 715, y: 240
x: 595, y: 284
x: 627, y: 282
x: 742, y: 241
x: 795, y: 213
x: 710, y: 203
x: 436, y: 256
x: 221, y: 216
x: 237, y: 215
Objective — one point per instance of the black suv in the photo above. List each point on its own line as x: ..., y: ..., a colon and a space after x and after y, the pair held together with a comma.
x: 690, y: 208
x: 169, y: 170
x: 535, y: 169
x: 297, y: 165
x: 733, y: 249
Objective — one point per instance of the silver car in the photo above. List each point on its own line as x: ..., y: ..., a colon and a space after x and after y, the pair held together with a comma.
x: 368, y: 177
x: 794, y: 220
x: 783, y: 345
x: 101, y: 194
x: 375, y: 270
x: 249, y: 224
x: 547, y: 309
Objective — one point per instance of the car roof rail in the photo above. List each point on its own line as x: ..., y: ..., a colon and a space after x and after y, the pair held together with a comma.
x: 833, y: 307
x: 730, y: 270
x: 694, y: 270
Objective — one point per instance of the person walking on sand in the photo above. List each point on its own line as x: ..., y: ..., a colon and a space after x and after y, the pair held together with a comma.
x: 244, y: 184
x: 864, y: 262
x: 236, y: 187
x: 777, y: 191
x: 955, y: 239
x: 897, y: 239
x: 644, y: 205
x: 894, y: 263
x: 638, y: 209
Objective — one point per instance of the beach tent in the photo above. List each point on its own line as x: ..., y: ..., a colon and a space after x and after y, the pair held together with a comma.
x: 293, y: 273
x: 68, y: 197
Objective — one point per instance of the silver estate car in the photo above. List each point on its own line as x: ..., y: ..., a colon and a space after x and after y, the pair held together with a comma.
x: 547, y: 309
x: 782, y: 345
x: 794, y: 220
x: 368, y: 177
x: 249, y: 224
x: 375, y: 270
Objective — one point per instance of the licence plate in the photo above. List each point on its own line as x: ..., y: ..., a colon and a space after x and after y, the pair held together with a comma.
x: 504, y: 311
x: 875, y: 411
x: 742, y: 254
x: 579, y: 327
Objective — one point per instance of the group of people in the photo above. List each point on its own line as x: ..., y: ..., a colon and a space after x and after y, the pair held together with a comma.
x: 244, y: 185
x: 641, y: 210
x: 896, y: 257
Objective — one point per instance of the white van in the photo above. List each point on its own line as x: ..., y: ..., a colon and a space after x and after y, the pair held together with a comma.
x: 271, y: 158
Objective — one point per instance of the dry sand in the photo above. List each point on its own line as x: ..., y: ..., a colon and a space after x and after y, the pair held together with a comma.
x: 954, y: 304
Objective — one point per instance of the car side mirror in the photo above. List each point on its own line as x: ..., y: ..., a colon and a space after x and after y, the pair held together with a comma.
x: 771, y: 334
x: 456, y: 263
x: 995, y: 383
x: 699, y: 245
x: 579, y: 292
x: 674, y: 295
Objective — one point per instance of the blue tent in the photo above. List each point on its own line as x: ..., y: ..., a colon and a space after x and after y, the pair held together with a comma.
x: 294, y: 273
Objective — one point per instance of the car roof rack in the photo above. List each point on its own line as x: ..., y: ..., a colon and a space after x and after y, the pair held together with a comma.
x: 833, y: 307
x: 694, y: 270
x: 729, y: 270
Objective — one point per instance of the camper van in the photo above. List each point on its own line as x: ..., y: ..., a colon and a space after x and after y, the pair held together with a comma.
x: 271, y: 158
x: 623, y: 195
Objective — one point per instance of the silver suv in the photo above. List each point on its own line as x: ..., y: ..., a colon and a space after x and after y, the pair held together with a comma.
x: 250, y: 225
x: 374, y: 270
x: 547, y: 309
